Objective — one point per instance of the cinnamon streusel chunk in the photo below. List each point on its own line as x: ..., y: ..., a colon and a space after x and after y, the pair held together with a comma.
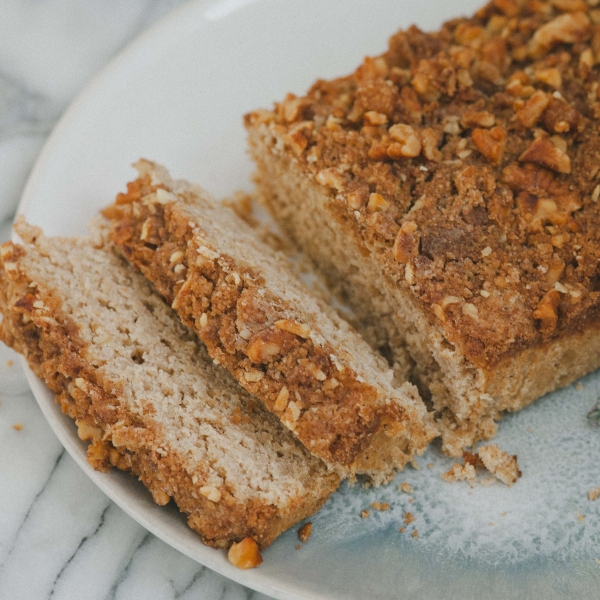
x: 307, y: 366
x: 145, y: 394
x: 449, y: 190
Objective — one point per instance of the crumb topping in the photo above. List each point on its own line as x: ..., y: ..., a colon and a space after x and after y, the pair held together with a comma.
x: 468, y: 161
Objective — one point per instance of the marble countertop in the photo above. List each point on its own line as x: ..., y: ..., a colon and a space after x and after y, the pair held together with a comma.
x: 60, y: 536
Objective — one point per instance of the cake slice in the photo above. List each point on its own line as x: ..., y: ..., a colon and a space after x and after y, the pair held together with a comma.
x: 307, y: 366
x: 144, y: 392
x: 448, y: 191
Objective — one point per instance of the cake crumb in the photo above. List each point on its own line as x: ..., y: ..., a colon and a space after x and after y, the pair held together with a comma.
x: 460, y: 472
x: 298, y: 546
x: 415, y: 533
x: 415, y: 465
x: 381, y: 506
x: 579, y: 386
x: 305, y: 532
x: 502, y: 465
x: 401, y: 530
x: 9, y: 363
x: 364, y: 514
x: 580, y: 517
x: 430, y: 465
x: 492, y: 524
x: 409, y: 518
x: 597, y: 561
x: 405, y: 487
x: 18, y: 426
x: 503, y: 514
x: 594, y: 494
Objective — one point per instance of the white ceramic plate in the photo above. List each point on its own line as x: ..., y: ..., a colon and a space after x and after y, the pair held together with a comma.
x: 177, y: 96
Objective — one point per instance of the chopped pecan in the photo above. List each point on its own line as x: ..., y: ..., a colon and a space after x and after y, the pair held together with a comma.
x: 478, y: 119
x: 568, y: 28
x: 406, y: 246
x: 408, y: 141
x: 551, y: 77
x: 560, y: 116
x: 377, y: 203
x: 529, y: 115
x: 510, y: 8
x: 245, y: 554
x: 546, y: 311
x: 543, y: 152
x: 431, y: 139
x: 490, y: 143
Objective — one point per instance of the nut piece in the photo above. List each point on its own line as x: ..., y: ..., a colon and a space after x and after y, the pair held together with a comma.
x: 262, y: 349
x: 245, y: 554
x: 490, y: 143
x: 377, y: 203
x: 88, y: 432
x: 430, y: 141
x: 546, y: 311
x: 282, y: 399
x: 478, y: 119
x: 509, y: 7
x: 331, y: 178
x: 210, y: 492
x: 373, y: 117
x: 292, y: 327
x: 409, y: 142
x: 593, y: 494
x: 406, y: 246
x: 568, y: 28
x: 551, y: 77
x: 543, y: 152
x: 305, y: 532
x: 529, y: 115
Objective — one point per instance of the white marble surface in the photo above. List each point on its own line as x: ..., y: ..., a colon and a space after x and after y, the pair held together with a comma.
x: 61, y: 537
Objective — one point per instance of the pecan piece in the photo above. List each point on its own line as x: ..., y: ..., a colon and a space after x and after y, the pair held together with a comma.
x: 543, y: 152
x: 406, y: 246
x: 546, y: 311
x: 529, y: 115
x: 567, y: 28
x: 490, y: 143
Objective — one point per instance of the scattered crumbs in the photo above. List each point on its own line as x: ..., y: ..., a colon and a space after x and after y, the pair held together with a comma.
x: 18, y: 426
x: 298, y: 546
x: 504, y: 514
x: 409, y: 518
x: 460, y: 472
x: 401, y: 530
x: 430, y: 465
x: 415, y: 533
x: 405, y: 487
x: 579, y: 516
x: 492, y: 524
x: 579, y: 386
x: 305, y: 532
x: 488, y: 481
x: 594, y: 494
x: 9, y: 363
x: 364, y: 514
x: 382, y: 506
x: 411, y: 500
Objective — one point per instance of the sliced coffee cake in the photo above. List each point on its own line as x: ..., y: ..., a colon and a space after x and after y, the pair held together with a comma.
x: 308, y: 366
x: 144, y: 392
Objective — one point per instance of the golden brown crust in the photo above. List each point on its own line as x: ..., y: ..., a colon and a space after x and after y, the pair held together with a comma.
x: 337, y: 416
x: 481, y: 140
x: 55, y: 351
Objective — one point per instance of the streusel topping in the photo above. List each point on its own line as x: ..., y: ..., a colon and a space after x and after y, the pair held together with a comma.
x: 468, y: 160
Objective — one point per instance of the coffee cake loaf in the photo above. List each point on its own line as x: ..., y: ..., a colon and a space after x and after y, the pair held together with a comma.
x: 143, y: 390
x: 448, y: 190
x: 308, y: 366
